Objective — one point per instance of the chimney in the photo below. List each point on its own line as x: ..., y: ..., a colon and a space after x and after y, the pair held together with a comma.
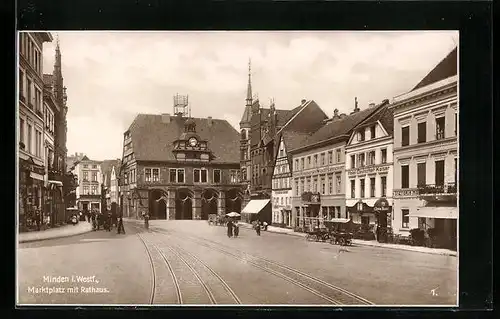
x: 303, y: 101
x: 356, y: 109
x: 372, y: 104
x: 165, y: 118
x: 209, y: 121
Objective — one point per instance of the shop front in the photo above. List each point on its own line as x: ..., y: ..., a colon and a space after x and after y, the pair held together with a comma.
x: 383, y: 213
x: 439, y: 220
x: 31, y: 186
x: 54, y: 204
x: 257, y: 209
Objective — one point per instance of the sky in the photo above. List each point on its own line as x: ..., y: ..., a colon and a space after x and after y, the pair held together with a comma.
x: 113, y: 76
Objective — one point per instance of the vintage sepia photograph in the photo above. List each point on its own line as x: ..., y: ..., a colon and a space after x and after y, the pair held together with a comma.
x: 250, y: 168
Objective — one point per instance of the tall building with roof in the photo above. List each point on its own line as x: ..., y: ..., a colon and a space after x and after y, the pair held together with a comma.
x: 319, y: 169
x: 88, y: 192
x: 426, y: 155
x: 369, y: 172
x: 31, y: 128
x: 180, y: 167
x: 261, y: 131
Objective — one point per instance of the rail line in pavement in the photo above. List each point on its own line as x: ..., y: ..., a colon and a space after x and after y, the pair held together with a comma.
x: 180, y: 254
x: 325, y: 290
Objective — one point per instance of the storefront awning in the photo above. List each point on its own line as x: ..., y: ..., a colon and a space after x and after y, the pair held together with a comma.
x: 255, y: 206
x: 436, y: 212
x: 36, y: 176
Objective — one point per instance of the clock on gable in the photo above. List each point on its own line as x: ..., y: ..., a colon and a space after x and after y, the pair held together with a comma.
x: 193, y: 141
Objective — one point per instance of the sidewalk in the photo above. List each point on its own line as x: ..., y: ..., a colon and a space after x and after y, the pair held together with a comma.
x: 372, y: 243
x: 59, y: 232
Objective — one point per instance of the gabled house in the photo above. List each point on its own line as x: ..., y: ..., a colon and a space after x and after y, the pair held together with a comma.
x: 369, y: 172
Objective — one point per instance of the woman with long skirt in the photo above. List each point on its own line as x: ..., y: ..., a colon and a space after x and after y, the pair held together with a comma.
x: 229, y: 228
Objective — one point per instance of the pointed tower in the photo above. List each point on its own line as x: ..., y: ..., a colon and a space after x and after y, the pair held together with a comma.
x: 57, y: 76
x: 245, y: 129
x: 249, y: 87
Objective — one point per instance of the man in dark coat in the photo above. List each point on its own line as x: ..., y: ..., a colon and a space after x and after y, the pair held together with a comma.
x: 120, y: 227
x: 229, y: 228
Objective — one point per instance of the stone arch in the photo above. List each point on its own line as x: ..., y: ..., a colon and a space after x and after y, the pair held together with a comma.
x: 184, y: 198
x: 157, y: 204
x: 209, y: 201
x: 234, y: 200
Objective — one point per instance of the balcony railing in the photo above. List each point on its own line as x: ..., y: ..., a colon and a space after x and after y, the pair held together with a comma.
x: 431, y: 189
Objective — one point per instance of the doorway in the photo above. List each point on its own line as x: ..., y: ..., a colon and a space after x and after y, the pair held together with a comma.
x: 183, y: 205
x: 157, y: 205
x: 209, y: 203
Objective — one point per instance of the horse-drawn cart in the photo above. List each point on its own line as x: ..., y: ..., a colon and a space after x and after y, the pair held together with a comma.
x: 340, y: 231
x: 318, y: 234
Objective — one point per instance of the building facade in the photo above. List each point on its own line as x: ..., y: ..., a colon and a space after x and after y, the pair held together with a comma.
x: 369, y: 172
x: 319, y: 170
x: 88, y: 193
x: 31, y: 128
x: 282, y: 188
x: 426, y: 155
x: 108, y: 171
x: 190, y: 172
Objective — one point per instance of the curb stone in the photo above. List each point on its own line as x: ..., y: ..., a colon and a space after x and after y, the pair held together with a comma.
x: 30, y: 240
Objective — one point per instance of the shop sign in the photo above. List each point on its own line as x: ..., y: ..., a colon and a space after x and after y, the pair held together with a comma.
x: 405, y: 192
x: 320, y: 171
x: 368, y: 170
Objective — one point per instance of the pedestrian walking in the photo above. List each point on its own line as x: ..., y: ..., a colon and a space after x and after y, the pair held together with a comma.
x: 146, y: 219
x: 93, y: 217
x: 98, y: 220
x: 229, y: 228
x: 236, y: 228
x: 257, y: 227
x: 120, y: 227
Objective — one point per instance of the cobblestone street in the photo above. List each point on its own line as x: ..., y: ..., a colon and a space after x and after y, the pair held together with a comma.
x: 194, y: 263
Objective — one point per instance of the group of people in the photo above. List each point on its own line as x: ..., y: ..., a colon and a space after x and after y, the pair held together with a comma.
x: 106, y: 220
x: 233, y: 228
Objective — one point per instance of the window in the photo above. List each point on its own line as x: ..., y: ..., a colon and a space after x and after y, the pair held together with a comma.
x: 217, y: 176
x: 405, y: 136
x: 405, y: 176
x: 147, y: 174
x: 309, y: 162
x: 85, y: 175
x: 173, y: 175
x: 315, y: 161
x: 37, y: 142
x: 421, y: 174
x: 302, y: 163
x: 38, y: 99
x: 361, y: 160
x: 365, y: 220
x: 315, y: 185
x: 94, y: 166
x: 30, y: 138
x: 323, y: 185
x: 94, y: 189
x: 282, y: 152
x: 302, y: 186
x: 330, y: 184
x: 94, y: 176
x: 440, y: 128
x: 296, y: 164
x: 338, y: 183
x: 156, y: 174
x: 233, y: 176
x: 362, y: 186
x: 126, y: 178
x: 353, y: 161
x: 422, y: 132
x: 180, y: 175
x: 353, y: 188
x: 338, y: 155
x: 456, y: 124
x: 330, y: 157
x: 405, y: 218
x: 21, y: 85
x: 371, y: 158
x: 384, y: 156
x: 308, y: 182
x: 296, y: 187
x: 439, y: 173
x: 455, y: 171
x: 28, y: 95
x: 21, y: 130
x: 323, y: 159
x: 383, y: 182
x: 85, y: 190
x: 372, y: 131
x: 196, y: 175
x: 361, y: 135
x: 85, y: 166
x: 372, y: 187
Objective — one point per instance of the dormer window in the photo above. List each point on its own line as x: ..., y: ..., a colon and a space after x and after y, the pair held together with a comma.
x: 372, y: 131
x: 361, y: 135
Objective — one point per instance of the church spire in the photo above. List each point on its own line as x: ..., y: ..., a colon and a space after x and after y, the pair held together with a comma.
x: 57, y: 74
x: 249, y: 88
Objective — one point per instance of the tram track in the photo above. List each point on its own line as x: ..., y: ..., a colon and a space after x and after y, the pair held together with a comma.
x: 217, y: 290
x: 327, y: 291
